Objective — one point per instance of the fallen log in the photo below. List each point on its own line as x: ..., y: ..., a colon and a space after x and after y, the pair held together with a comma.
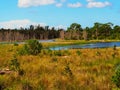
x: 6, y: 71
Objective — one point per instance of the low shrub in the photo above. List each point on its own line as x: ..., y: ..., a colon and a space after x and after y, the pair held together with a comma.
x: 15, y: 44
x: 58, y: 53
x: 98, y: 53
x: 78, y: 53
x: 14, y: 64
x: 68, y: 71
x: 24, y: 50
x: 47, y: 52
x: 116, y: 77
x: 32, y: 47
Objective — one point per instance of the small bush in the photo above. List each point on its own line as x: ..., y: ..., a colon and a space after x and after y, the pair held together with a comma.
x: 15, y: 44
x: 58, y: 53
x: 114, y: 48
x: 116, y: 77
x: 78, y: 53
x: 68, y: 71
x: 24, y: 50
x: 14, y: 64
x: 98, y: 53
x: 47, y: 52
x: 113, y: 55
x: 32, y: 47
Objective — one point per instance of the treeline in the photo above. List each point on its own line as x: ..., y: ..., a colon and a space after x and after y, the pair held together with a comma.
x: 33, y: 32
x: 99, y: 31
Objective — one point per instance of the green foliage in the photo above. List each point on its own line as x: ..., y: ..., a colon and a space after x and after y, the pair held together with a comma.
x: 24, y: 50
x: 58, y: 53
x: 113, y: 55
x: 116, y: 77
x: 61, y: 53
x: 32, y: 47
x: 15, y: 44
x: 68, y: 71
x: 75, y: 26
x: 78, y: 53
x: 14, y: 64
x: 47, y: 52
x: 98, y: 53
x: 114, y: 48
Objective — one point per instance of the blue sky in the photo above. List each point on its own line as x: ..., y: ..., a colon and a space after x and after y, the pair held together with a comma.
x: 58, y: 13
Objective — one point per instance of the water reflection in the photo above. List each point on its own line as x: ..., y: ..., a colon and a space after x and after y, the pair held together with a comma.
x: 92, y: 45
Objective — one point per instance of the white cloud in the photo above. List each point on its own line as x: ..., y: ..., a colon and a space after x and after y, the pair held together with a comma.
x: 93, y: 3
x: 75, y: 5
x: 63, y: 0
x: 18, y: 23
x: 59, y: 5
x: 90, y: 0
x: 61, y: 27
x: 29, y: 3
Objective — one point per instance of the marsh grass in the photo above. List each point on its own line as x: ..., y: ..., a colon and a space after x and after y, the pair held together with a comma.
x: 75, y: 69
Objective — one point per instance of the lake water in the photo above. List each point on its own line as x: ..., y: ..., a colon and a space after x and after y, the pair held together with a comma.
x: 91, y: 45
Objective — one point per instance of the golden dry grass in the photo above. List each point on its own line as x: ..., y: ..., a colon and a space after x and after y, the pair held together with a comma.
x: 75, y: 69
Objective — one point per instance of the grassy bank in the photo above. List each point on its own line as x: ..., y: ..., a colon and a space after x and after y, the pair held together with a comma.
x: 78, y: 69
x: 59, y: 42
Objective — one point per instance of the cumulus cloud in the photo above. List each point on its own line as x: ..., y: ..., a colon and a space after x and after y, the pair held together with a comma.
x: 18, y: 23
x: 29, y: 3
x: 93, y: 3
x: 75, y: 5
x: 61, y: 27
x: 59, y: 5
